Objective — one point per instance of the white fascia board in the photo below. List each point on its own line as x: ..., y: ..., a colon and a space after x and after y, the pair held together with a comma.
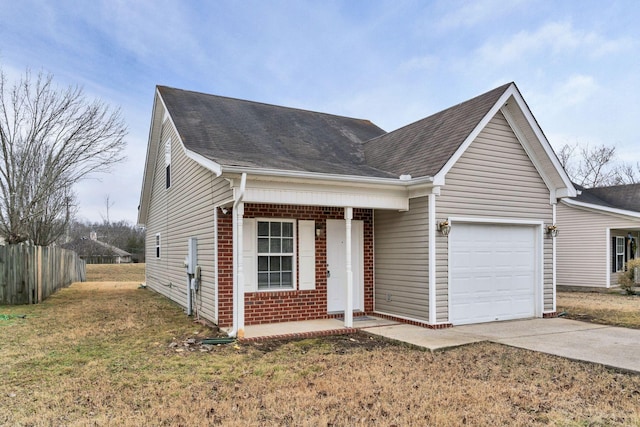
x: 543, y: 141
x: 203, y: 161
x: 438, y: 179
x: 572, y: 202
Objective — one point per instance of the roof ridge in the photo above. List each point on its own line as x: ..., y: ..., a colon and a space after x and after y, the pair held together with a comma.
x: 267, y: 104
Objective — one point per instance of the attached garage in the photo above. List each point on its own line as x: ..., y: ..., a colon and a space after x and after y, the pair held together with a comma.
x: 495, y: 272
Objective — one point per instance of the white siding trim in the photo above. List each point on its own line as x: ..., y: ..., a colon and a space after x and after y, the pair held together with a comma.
x: 432, y: 258
x: 553, y: 258
x: 608, y: 256
x: 307, y: 254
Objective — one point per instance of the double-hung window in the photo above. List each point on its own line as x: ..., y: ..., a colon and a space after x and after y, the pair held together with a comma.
x: 620, y: 246
x: 275, y: 254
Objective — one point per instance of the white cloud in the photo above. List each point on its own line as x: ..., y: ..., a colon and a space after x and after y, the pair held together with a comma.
x: 556, y: 38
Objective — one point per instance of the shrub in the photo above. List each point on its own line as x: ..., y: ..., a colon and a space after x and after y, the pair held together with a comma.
x: 627, y: 279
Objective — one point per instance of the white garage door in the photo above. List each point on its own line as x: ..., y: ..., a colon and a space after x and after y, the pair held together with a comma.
x: 493, y: 272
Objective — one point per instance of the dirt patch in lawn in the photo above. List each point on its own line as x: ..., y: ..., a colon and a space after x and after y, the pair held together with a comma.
x: 604, y: 308
x: 102, y: 354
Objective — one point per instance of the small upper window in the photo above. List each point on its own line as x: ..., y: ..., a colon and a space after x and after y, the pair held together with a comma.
x: 158, y: 245
x: 167, y: 162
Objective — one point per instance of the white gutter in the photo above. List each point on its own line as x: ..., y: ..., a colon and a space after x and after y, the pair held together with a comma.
x: 238, y: 273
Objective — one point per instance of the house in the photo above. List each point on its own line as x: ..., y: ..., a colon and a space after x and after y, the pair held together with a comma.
x: 93, y: 251
x: 258, y: 213
x: 599, y: 232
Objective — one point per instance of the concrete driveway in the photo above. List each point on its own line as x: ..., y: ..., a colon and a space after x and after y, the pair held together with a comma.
x: 607, y: 345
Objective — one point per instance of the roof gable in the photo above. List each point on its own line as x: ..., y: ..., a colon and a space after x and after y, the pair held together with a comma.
x: 424, y: 147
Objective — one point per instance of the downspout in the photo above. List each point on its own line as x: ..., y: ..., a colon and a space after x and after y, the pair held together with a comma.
x: 238, y: 273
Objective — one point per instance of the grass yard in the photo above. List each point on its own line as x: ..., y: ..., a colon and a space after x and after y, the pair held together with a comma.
x: 109, y: 353
x: 612, y: 308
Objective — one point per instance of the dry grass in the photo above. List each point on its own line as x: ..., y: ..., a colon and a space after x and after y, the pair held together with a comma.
x: 98, y: 354
x: 604, y: 308
x: 115, y: 273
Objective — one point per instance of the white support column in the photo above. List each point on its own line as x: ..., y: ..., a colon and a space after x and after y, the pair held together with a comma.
x: 239, y: 317
x: 432, y: 257
x: 348, y: 309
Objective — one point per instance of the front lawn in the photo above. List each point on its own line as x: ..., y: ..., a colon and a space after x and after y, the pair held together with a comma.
x: 110, y: 353
x: 612, y: 308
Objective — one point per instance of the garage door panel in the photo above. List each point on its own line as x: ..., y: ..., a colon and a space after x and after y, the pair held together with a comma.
x: 492, y: 272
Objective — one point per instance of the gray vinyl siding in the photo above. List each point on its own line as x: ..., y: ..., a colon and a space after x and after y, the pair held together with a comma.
x: 494, y: 178
x: 401, y: 261
x: 581, y: 245
x: 184, y: 210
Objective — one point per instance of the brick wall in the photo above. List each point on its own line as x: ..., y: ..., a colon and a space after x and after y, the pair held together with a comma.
x: 294, y: 305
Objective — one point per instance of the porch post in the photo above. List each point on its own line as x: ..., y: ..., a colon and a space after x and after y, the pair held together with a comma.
x: 348, y: 309
x: 238, y: 257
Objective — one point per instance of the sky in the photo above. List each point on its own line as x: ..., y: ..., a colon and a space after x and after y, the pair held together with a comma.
x: 576, y: 62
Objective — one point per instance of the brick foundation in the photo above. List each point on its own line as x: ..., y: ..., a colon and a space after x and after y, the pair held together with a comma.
x: 289, y: 305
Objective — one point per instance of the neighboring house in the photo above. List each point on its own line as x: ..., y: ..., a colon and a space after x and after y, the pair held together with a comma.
x: 93, y: 251
x: 599, y: 232
x: 294, y: 215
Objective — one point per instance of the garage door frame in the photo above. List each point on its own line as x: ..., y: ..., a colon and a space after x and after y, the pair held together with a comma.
x: 539, y: 251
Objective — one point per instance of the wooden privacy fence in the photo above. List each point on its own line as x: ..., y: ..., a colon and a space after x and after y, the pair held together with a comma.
x: 29, y: 274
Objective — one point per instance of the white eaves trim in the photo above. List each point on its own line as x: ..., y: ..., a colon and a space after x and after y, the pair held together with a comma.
x: 607, y: 209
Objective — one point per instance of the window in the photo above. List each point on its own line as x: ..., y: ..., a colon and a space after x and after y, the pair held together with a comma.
x: 275, y: 254
x: 158, y: 245
x: 620, y: 250
x: 167, y: 162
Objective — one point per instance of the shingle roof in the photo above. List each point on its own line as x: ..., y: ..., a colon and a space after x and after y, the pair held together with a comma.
x: 422, y: 148
x: 625, y: 197
x: 234, y: 132
x: 89, y: 247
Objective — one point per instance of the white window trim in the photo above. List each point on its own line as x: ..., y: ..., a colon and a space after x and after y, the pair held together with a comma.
x: 618, y: 239
x: 294, y: 281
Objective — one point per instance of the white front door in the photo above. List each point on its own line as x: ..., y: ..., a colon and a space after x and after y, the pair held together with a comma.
x: 337, y: 264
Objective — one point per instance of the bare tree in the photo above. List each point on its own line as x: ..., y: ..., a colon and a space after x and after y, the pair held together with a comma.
x: 596, y: 166
x: 50, y: 139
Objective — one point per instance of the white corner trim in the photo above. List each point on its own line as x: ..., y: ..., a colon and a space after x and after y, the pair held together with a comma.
x: 432, y: 257
x: 571, y: 202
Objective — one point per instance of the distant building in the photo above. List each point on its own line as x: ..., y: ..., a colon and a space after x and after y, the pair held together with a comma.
x: 93, y: 251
